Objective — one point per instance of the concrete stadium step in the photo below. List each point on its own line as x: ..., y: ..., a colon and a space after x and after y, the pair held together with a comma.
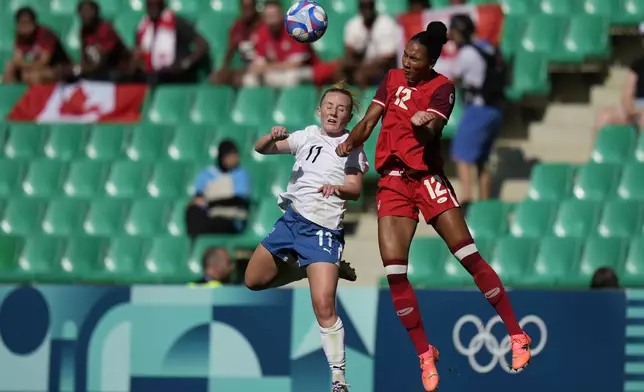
x: 569, y: 115
x: 616, y: 77
x: 601, y: 97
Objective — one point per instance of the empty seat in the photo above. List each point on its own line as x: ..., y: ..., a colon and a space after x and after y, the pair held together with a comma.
x: 576, y: 218
x: 559, y: 7
x: 82, y: 256
x: 64, y: 217
x: 253, y: 106
x: 66, y: 141
x: 530, y: 76
x: 171, y: 180
x: 25, y: 140
x: 519, y: 7
x: 125, y: 24
x: 633, y: 275
x: 44, y: 178
x: 23, y: 216
x: 242, y: 135
x: 189, y: 9
x: 511, y: 258
x: 10, y: 250
x: 12, y: 173
x: 532, y: 218
x: 148, y: 217
x: 124, y: 260
x: 167, y: 260
x: 261, y: 222
x: 10, y: 92
x: 192, y: 143
x: 107, y: 142
x: 215, y: 27
x: 543, y: 34
x: 204, y: 112
x: 177, y: 222
x: 127, y: 179
x: 599, y: 252
x: 331, y: 46
x: 86, y: 178
x: 106, y: 217
x: 294, y: 104
x: 550, y: 182
x: 639, y: 149
x: 14, y: 5
x: 620, y: 218
x: 596, y: 181
x: 555, y: 258
x: 614, y: 144
x: 426, y: 257
x: 586, y: 38
x: 631, y: 185
x: 170, y: 105
x: 488, y: 219
x: 149, y: 142
x: 41, y: 255
x: 630, y: 12
x: 513, y: 26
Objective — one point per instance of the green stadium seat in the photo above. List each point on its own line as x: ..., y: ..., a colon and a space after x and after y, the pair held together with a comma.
x: 260, y: 223
x: 204, y: 112
x: 599, y: 252
x: 391, y: 7
x: 511, y: 258
x: 125, y: 25
x: 614, y: 144
x: 631, y: 12
x: 13, y: 5
x: 559, y: 7
x: 228, y: 8
x: 149, y: 143
x: 57, y: 23
x: 189, y: 9
x: 282, y: 170
x: 586, y: 38
x: 639, y: 149
x: 513, y: 26
x: 127, y: 179
x: 242, y: 135
x: 167, y: 260
x: 633, y: 275
x: 44, y: 178
x: 294, y: 104
x: 107, y: 142
x: 533, y: 219
x: 455, y: 275
x: 66, y: 7
x: 170, y: 105
x: 123, y: 261
x: 191, y: 143
x: 148, y: 217
x: 530, y: 76
x: 10, y: 93
x: 488, y: 219
x: 25, y: 140
x: 576, y: 218
x: 64, y: 217
x: 543, y: 34
x: 106, y: 217
x: 550, y: 182
x: 12, y: 173
x: 203, y: 243
x: 605, y: 8
x: 171, y: 180
x: 519, y: 7
x: 426, y: 257
x: 331, y: 46
x: 10, y: 250
x: 40, y: 255
x: 555, y: 258
x: 253, y: 106
x: 261, y: 174
x: 82, y: 256
x: 177, y: 222
x: 596, y: 181
x: 631, y: 186
x: 342, y: 7
x: 22, y: 216
x: 215, y: 26
x: 620, y: 218
x: 66, y: 141
x: 86, y: 178
x: 7, y: 28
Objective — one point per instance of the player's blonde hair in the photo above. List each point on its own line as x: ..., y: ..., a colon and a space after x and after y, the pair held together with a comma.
x: 346, y: 89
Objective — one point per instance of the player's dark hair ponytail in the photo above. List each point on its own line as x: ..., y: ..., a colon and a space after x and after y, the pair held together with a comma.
x: 433, y: 38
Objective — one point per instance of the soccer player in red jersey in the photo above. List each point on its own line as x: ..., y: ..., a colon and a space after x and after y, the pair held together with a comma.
x: 414, y: 103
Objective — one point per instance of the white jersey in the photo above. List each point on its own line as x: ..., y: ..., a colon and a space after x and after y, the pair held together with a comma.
x: 316, y: 164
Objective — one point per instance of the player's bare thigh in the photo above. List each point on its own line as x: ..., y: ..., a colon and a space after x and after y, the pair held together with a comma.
x: 261, y: 270
x: 395, y: 234
x: 451, y: 226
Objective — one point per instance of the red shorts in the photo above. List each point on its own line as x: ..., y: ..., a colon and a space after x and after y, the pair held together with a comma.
x: 401, y: 195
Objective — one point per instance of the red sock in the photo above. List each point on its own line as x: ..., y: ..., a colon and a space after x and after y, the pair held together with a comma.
x: 488, y: 282
x: 406, y: 303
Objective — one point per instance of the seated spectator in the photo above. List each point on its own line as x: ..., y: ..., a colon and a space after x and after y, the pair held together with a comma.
x: 371, y: 44
x: 279, y: 60
x: 38, y: 55
x: 222, y: 196
x: 168, y: 48
x: 217, y: 268
x: 605, y: 278
x: 103, y: 56
x: 239, y: 41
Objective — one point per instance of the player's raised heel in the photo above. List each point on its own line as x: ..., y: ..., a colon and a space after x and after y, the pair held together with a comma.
x: 347, y: 272
x: 340, y: 387
x: 521, y: 354
x: 428, y: 365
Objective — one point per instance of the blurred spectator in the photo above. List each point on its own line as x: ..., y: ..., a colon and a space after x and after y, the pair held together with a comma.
x: 240, y: 41
x: 478, y: 70
x: 279, y: 60
x: 371, y: 42
x: 222, y: 196
x: 38, y: 55
x: 416, y: 6
x: 605, y: 278
x: 168, y: 48
x: 457, y: 2
x: 104, y: 56
x: 217, y: 268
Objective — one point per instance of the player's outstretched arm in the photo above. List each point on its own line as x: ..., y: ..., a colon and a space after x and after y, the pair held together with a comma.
x: 362, y: 130
x: 274, y: 143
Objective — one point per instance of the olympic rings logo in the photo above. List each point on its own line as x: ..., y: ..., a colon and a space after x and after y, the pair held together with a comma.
x: 485, y: 338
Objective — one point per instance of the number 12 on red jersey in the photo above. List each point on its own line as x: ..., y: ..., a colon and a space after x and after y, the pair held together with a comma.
x: 403, y: 94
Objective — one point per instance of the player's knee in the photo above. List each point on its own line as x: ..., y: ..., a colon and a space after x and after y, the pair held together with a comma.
x: 324, y: 309
x: 255, y: 282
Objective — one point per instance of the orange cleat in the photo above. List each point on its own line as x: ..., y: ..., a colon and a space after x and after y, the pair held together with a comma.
x: 521, y: 355
x: 428, y: 365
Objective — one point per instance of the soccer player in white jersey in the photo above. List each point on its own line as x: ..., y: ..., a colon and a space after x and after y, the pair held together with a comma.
x: 311, y: 227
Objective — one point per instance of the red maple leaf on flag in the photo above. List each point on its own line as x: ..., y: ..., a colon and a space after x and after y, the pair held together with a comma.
x: 76, y: 104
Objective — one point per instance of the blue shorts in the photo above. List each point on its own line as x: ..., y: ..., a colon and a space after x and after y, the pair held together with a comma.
x: 476, y: 133
x: 311, y: 243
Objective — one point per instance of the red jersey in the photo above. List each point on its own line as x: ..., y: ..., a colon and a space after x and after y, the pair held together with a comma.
x: 43, y: 41
x: 104, y: 41
x: 281, y: 48
x: 401, y: 101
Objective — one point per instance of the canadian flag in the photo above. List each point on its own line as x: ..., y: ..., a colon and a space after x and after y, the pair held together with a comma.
x: 82, y: 102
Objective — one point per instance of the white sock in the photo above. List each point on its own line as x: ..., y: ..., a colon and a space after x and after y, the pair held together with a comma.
x: 333, y: 345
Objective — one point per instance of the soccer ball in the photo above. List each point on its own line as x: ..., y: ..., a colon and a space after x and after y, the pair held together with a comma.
x: 306, y: 21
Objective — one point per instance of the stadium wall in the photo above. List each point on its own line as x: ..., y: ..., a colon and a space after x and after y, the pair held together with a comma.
x: 151, y: 338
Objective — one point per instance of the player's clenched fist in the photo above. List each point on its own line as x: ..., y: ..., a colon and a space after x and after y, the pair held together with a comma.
x: 421, y: 119
x: 279, y: 133
x: 344, y: 149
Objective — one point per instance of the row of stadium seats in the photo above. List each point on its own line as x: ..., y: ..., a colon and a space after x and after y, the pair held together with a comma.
x: 523, y: 262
